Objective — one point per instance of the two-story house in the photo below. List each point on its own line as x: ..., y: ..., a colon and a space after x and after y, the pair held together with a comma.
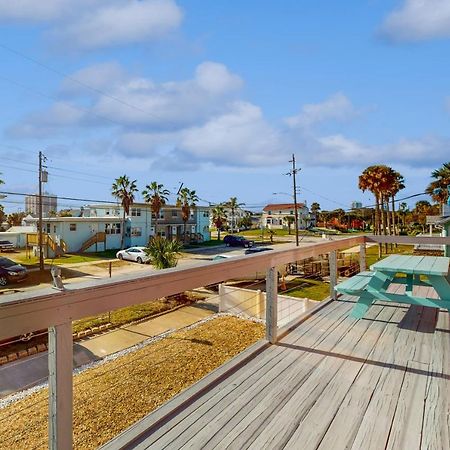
x: 99, y: 226
x: 275, y: 215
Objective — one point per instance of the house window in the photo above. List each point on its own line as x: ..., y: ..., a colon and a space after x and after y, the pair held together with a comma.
x: 112, y: 228
x: 206, y: 214
x: 136, y: 212
x: 270, y: 212
x: 73, y: 227
x: 54, y: 228
x: 291, y: 212
x: 174, y: 213
x: 268, y: 221
x: 48, y: 228
x: 193, y: 229
x: 136, y: 231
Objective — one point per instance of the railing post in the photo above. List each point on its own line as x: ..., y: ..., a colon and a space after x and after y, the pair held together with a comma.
x: 362, y: 257
x: 60, y: 395
x: 333, y: 273
x: 271, y: 304
x: 222, y: 307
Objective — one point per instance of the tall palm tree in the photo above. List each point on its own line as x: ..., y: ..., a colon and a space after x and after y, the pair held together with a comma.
x: 123, y: 189
x: 376, y: 179
x: 187, y: 199
x: 219, y: 218
x: 156, y: 196
x: 396, y: 186
x: 233, y: 204
x: 438, y: 189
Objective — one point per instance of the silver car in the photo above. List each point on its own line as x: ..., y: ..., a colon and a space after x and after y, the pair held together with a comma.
x: 136, y: 254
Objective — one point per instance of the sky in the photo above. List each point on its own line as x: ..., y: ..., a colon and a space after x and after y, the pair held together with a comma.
x: 220, y: 95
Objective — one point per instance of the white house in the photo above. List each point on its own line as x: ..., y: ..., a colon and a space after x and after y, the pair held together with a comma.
x: 274, y: 215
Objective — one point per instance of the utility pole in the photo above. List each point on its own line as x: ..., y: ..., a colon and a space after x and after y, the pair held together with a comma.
x: 42, y: 179
x: 292, y: 173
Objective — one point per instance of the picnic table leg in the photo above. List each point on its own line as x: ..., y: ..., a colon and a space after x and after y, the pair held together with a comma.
x: 363, y: 304
x: 442, y: 287
x: 378, y: 283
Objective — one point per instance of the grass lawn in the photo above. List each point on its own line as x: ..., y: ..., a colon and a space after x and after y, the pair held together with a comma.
x: 307, y: 288
x: 113, y: 396
x: 211, y: 243
x: 68, y: 258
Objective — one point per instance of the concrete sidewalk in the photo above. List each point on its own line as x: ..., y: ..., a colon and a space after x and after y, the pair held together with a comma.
x: 30, y: 371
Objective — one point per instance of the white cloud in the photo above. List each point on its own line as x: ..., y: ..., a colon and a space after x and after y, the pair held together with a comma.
x: 337, y: 107
x: 94, y: 24
x: 418, y: 20
x: 139, y: 102
x: 238, y: 137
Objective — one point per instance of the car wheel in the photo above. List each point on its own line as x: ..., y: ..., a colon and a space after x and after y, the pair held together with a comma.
x: 120, y: 256
x: 3, y: 281
x: 139, y: 260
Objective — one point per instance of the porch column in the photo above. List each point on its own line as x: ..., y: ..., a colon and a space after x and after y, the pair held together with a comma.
x: 333, y: 273
x: 271, y: 304
x: 60, y: 394
x: 362, y: 257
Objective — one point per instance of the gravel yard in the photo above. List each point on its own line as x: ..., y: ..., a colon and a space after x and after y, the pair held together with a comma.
x: 111, y: 397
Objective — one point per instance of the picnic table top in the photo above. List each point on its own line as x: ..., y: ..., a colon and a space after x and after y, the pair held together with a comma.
x: 411, y: 264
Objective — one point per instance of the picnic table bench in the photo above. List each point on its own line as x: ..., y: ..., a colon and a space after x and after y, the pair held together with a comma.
x: 425, y: 271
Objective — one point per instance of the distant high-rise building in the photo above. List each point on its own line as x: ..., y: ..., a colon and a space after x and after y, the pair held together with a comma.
x: 49, y: 203
x: 356, y: 205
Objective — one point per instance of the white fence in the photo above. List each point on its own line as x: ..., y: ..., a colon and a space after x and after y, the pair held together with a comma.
x: 252, y: 303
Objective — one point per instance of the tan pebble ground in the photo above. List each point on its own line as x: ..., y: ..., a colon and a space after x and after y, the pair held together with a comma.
x: 110, y: 398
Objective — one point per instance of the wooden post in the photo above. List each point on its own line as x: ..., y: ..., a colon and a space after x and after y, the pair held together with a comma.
x: 60, y: 395
x: 110, y: 269
x: 271, y: 304
x: 222, y: 307
x: 333, y: 273
x: 362, y: 257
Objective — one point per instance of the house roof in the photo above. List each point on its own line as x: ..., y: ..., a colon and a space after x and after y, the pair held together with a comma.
x: 282, y: 206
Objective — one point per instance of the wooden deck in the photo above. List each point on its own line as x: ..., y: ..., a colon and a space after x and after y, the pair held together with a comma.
x: 334, y: 382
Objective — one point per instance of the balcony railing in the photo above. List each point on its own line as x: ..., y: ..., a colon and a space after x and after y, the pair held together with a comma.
x: 26, y: 312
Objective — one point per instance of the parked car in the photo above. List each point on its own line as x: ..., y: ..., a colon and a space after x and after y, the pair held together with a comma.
x: 136, y: 254
x: 251, y: 251
x: 231, y: 240
x: 6, y: 246
x: 10, y: 271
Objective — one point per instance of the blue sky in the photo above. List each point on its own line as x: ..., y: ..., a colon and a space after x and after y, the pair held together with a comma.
x: 218, y: 95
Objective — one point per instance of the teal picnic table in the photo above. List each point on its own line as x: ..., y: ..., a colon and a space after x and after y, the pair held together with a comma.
x: 412, y: 271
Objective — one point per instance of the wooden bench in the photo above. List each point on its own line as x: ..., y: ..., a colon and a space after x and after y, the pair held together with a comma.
x: 356, y: 284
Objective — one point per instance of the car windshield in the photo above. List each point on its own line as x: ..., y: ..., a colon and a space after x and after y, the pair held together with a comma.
x: 5, y: 262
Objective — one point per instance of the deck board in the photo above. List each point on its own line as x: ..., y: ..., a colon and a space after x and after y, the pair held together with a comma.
x: 332, y: 382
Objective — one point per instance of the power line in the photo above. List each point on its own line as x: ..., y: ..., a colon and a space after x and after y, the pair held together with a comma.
x: 75, y: 80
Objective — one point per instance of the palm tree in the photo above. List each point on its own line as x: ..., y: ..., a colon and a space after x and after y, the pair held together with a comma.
x: 289, y: 221
x: 422, y: 209
x: 233, y: 205
x: 123, y: 189
x: 438, y: 189
x: 163, y: 252
x: 15, y: 219
x: 157, y: 197
x: 315, y: 208
x: 219, y: 218
x: 376, y: 179
x: 396, y: 186
x: 187, y: 199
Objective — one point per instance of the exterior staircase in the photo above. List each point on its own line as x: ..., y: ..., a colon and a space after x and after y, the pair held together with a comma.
x: 94, y: 239
x: 57, y: 249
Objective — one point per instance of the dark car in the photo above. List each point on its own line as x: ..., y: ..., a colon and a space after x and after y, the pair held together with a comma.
x: 237, y: 241
x: 11, y: 272
x: 251, y: 251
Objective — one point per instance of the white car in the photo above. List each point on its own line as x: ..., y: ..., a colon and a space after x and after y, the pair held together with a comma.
x: 133, y: 254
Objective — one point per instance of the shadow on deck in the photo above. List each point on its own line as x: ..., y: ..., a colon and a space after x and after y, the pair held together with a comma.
x: 333, y: 382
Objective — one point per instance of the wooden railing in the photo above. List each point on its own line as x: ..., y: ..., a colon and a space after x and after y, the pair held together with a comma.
x: 95, y: 239
x: 26, y: 312
x: 47, y: 239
